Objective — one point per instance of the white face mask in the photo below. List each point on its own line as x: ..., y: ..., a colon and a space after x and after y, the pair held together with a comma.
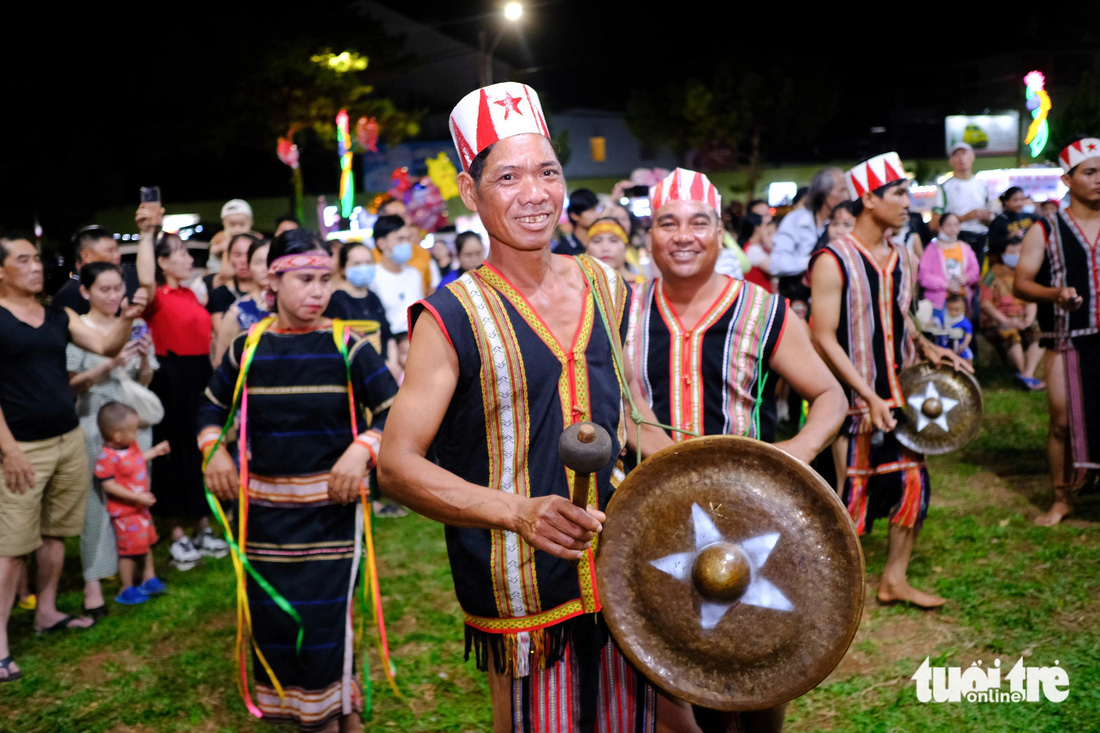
x: 1011, y: 260
x: 947, y: 239
x: 1028, y: 209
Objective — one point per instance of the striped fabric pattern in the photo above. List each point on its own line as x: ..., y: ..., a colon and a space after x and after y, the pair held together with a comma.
x: 550, y: 700
x: 858, y: 266
x: 704, y: 379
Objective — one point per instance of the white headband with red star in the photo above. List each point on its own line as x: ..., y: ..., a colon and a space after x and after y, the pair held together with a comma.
x: 1079, y: 151
x: 493, y: 113
x: 684, y: 185
x: 873, y: 174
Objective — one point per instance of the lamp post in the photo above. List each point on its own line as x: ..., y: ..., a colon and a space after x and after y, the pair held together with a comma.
x: 513, y: 11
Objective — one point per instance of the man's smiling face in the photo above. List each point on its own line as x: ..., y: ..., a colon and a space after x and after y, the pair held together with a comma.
x: 521, y: 193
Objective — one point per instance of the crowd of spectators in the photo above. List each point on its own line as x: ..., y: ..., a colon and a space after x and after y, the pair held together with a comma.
x: 97, y: 393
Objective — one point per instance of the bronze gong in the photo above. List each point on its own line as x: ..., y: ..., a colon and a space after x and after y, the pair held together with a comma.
x: 943, y: 409
x: 730, y: 573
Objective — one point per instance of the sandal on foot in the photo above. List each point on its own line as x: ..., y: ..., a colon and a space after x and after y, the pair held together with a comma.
x: 64, y: 624
x: 5, y: 664
x: 97, y: 612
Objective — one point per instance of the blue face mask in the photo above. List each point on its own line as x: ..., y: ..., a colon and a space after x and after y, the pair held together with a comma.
x: 1010, y: 260
x: 360, y: 276
x: 402, y: 253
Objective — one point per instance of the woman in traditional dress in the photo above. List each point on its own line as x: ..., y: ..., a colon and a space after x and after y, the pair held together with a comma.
x: 309, y: 455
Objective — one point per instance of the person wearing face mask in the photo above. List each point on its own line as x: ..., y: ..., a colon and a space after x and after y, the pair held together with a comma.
x: 1012, y: 223
x: 1009, y: 323
x: 395, y: 283
x: 949, y: 265
x: 352, y: 299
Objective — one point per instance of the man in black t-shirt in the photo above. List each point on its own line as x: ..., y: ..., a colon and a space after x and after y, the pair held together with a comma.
x: 45, y: 478
x: 93, y: 244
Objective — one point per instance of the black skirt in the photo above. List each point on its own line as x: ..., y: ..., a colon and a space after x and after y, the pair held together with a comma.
x: 177, y: 477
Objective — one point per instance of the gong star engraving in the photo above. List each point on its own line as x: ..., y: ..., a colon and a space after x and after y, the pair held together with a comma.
x: 916, y: 401
x: 759, y: 592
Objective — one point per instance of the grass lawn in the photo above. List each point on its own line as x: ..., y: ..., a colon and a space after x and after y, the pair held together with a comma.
x: 1015, y: 589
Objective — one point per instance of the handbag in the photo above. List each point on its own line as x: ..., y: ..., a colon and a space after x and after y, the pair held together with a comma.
x: 144, y: 401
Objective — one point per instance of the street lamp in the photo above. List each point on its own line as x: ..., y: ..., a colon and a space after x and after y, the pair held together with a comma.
x: 512, y: 13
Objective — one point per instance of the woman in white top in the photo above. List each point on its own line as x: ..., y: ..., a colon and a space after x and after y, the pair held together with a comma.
x: 97, y: 380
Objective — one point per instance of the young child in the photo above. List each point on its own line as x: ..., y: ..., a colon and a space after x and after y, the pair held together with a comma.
x: 954, y: 330
x: 125, y: 480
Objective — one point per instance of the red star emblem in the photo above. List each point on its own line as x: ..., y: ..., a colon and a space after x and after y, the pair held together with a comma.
x: 509, y: 103
x: 1092, y: 146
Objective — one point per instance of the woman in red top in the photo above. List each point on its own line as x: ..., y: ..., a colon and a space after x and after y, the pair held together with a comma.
x: 181, y: 329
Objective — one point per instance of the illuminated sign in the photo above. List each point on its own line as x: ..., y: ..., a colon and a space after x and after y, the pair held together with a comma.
x: 997, y: 134
x: 1038, y: 101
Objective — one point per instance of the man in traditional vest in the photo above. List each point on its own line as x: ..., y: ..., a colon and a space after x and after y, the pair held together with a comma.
x: 501, y: 361
x: 703, y: 344
x: 1059, y: 267
x: 862, y: 287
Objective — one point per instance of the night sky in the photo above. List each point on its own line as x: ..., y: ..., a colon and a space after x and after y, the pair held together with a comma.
x: 100, y: 103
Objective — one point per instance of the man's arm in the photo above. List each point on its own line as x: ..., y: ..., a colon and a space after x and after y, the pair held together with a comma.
x: 1024, y: 287
x: 111, y: 343
x: 653, y: 437
x: 826, y: 291
x: 18, y: 471
x: 549, y: 523
x: 795, y: 360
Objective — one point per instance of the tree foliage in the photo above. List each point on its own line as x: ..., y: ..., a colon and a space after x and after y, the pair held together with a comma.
x: 1077, y: 115
x: 734, y: 115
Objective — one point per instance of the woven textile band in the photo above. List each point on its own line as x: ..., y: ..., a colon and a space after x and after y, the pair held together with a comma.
x: 301, y: 262
x: 607, y: 227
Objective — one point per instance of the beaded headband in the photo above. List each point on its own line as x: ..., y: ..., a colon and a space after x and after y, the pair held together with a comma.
x: 286, y: 263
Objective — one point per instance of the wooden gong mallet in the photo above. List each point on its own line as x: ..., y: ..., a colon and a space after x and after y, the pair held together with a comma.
x: 584, y: 447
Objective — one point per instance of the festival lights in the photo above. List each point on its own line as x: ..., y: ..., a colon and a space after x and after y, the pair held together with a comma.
x: 1038, y: 101
x: 347, y: 185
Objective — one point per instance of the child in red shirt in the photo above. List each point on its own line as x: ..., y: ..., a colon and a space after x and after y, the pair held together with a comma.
x: 122, y: 471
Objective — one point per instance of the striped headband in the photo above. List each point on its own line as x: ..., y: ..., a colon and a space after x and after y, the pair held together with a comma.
x: 286, y: 263
x: 607, y: 227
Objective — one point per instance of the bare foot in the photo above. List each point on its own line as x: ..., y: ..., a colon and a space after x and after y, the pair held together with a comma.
x: 1059, y: 511
x: 905, y: 593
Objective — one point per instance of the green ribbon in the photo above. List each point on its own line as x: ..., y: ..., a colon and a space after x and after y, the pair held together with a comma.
x: 280, y: 601
x: 616, y: 355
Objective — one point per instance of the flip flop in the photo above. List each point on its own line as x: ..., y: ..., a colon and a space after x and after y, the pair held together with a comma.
x: 62, y: 625
x: 5, y: 664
